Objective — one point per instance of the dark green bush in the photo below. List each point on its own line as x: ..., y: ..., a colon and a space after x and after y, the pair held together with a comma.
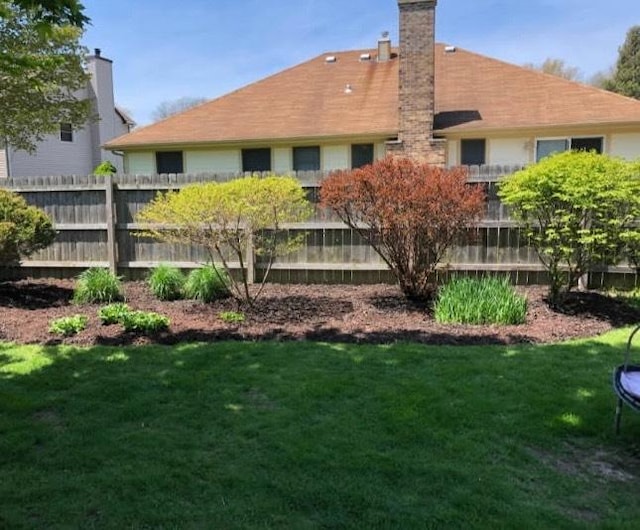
x: 207, y: 284
x: 145, y: 322
x: 113, y: 313
x: 24, y: 229
x: 97, y: 286
x: 480, y: 301
x: 167, y: 282
x: 68, y: 326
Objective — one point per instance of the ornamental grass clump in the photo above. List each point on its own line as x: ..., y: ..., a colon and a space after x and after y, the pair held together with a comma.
x: 167, y: 282
x: 480, y: 301
x: 97, y: 286
x: 207, y: 284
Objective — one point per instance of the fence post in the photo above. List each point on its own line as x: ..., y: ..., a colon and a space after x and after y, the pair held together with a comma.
x: 112, y: 244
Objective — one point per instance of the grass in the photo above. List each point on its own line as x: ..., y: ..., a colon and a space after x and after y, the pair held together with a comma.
x: 307, y: 435
x: 167, y: 282
x: 97, y: 285
x: 487, y: 300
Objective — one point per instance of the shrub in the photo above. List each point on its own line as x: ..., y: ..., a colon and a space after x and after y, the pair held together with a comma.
x: 144, y: 322
x: 105, y: 169
x: 113, y: 313
x: 167, y: 282
x: 231, y: 317
x: 24, y: 229
x: 480, y: 301
x: 207, y: 284
x: 97, y: 285
x: 226, y: 217
x: 413, y: 213
x: 68, y: 326
x: 578, y: 209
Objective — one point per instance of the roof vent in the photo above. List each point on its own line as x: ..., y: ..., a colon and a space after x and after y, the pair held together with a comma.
x: 449, y: 49
x: 348, y: 89
x: 365, y: 57
x: 330, y: 59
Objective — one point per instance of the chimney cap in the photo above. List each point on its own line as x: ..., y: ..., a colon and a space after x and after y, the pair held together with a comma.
x: 385, y: 36
x: 97, y: 52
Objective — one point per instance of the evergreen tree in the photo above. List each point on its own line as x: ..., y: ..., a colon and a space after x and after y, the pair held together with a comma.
x: 626, y: 80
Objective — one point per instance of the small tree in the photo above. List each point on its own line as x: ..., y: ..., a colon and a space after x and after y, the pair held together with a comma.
x: 410, y: 213
x: 24, y: 229
x: 578, y: 209
x: 225, y: 217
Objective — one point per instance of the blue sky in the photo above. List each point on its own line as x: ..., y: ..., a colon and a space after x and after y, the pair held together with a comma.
x: 163, y: 50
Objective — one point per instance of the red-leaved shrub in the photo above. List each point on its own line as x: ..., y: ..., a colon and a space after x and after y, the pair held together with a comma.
x: 409, y: 212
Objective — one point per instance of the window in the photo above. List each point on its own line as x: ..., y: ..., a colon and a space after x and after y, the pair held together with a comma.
x: 546, y: 148
x: 306, y: 158
x: 169, y: 162
x: 361, y: 155
x: 256, y: 159
x: 66, y: 132
x: 472, y: 152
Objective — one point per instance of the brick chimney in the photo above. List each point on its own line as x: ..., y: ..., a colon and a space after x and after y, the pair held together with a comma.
x: 416, y: 88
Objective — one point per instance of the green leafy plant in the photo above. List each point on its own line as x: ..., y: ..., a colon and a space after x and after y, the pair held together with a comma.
x: 167, y: 282
x: 232, y: 317
x: 578, y: 210
x: 68, y: 326
x: 226, y: 217
x: 146, y: 322
x: 113, y: 313
x: 207, y: 284
x: 480, y: 301
x: 105, y: 169
x: 97, y: 285
x: 24, y: 229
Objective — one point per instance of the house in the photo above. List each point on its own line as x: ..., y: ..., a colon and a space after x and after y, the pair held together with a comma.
x: 430, y: 101
x: 71, y: 151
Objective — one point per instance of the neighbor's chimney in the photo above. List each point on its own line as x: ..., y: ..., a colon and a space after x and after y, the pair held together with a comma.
x: 384, y: 48
x: 416, y: 83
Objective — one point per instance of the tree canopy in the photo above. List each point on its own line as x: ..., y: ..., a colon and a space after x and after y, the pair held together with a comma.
x: 48, y: 12
x: 557, y: 67
x: 169, y: 108
x: 40, y: 74
x: 626, y: 79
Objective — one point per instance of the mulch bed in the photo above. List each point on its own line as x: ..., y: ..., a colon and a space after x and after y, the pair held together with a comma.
x: 376, y: 314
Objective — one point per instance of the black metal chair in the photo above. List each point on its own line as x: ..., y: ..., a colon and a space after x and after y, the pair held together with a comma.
x: 626, y: 382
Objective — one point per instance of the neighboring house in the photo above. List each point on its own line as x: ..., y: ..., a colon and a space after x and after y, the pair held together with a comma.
x: 76, y: 151
x: 430, y: 101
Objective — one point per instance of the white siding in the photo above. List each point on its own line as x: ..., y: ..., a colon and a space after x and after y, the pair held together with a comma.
x: 3, y: 164
x: 223, y: 161
x: 379, y: 151
x: 508, y: 151
x: 625, y: 145
x: 335, y: 157
x: 140, y: 163
x: 282, y: 160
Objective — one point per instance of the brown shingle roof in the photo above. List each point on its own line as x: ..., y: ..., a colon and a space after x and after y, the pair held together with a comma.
x: 473, y: 93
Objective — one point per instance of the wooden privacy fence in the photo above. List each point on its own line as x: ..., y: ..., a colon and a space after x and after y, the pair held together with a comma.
x: 96, y: 222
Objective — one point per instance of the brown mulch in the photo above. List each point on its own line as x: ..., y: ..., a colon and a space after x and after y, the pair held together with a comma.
x: 376, y: 314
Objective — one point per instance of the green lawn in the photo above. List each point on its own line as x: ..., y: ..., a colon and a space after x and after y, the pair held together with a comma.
x: 306, y: 435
